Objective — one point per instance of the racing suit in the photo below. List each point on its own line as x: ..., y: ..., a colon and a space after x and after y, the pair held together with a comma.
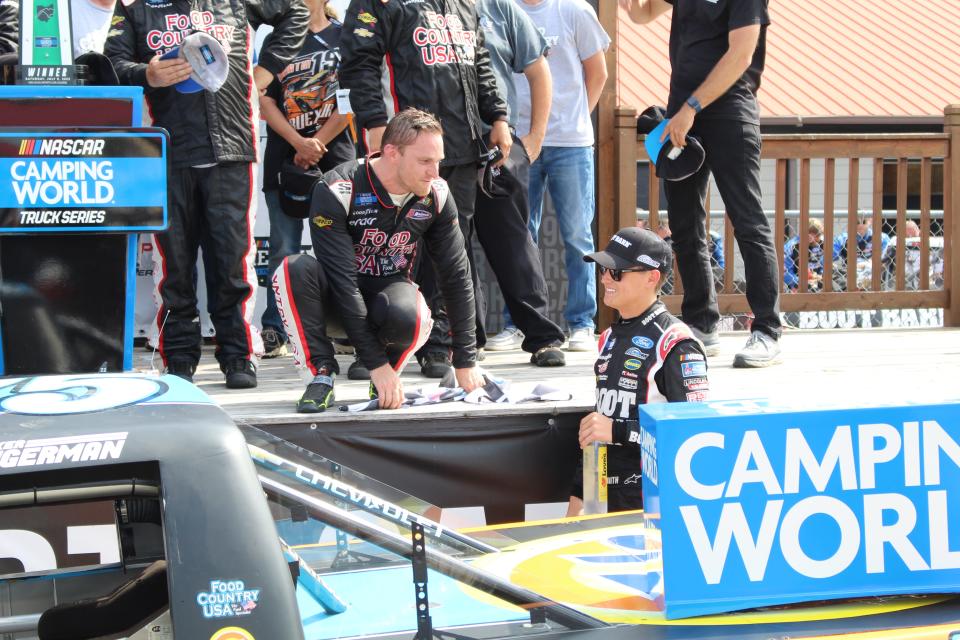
x: 213, y: 148
x: 427, y: 54
x: 651, y: 358
x: 365, y: 244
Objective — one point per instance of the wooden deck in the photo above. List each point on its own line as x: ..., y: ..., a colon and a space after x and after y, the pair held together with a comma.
x: 861, y: 366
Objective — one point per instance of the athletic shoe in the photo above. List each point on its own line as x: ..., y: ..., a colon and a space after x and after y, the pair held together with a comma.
x: 274, y: 345
x: 550, y: 356
x: 761, y: 350
x: 582, y: 339
x: 240, y: 374
x: 507, y: 340
x: 435, y: 364
x: 357, y: 371
x: 710, y: 341
x: 342, y: 347
x: 318, y: 396
x: 182, y: 369
x: 372, y: 391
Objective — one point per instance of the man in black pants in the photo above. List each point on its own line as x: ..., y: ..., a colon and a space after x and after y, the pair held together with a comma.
x: 717, y: 51
x: 366, y: 219
x: 427, y: 54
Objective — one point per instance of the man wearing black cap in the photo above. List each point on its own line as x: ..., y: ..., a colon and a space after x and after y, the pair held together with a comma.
x: 648, y: 355
x: 717, y: 51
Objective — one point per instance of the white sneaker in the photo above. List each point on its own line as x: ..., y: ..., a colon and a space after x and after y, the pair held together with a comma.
x: 582, y: 339
x: 761, y: 350
x: 507, y: 340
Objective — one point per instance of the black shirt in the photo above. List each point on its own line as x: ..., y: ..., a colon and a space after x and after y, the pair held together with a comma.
x: 306, y: 93
x: 699, y: 36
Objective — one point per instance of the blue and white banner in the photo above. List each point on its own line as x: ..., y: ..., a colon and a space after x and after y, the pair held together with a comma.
x: 761, y: 504
x: 83, y: 180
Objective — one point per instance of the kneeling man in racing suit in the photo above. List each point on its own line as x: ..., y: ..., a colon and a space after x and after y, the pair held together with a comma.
x: 366, y: 217
x: 648, y: 355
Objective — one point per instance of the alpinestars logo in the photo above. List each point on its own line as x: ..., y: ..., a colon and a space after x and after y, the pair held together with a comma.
x: 94, y: 447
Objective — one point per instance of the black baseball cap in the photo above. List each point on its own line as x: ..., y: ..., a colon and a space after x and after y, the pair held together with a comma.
x: 635, y: 249
x: 674, y: 163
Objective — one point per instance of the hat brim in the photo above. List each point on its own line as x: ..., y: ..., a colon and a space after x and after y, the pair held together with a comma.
x: 609, y: 261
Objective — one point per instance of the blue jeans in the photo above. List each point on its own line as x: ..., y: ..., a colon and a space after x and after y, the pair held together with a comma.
x: 568, y: 173
x: 286, y: 236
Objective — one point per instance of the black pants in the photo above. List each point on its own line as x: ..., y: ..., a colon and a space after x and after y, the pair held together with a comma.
x: 501, y: 223
x: 212, y: 208
x: 462, y: 180
x: 733, y: 156
x: 396, y: 313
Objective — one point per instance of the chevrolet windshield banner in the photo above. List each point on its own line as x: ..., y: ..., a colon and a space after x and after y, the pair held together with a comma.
x: 83, y: 180
x: 762, y: 504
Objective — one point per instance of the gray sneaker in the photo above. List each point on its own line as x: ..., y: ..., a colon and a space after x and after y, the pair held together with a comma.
x: 710, y: 341
x: 507, y: 340
x: 274, y: 345
x: 761, y: 350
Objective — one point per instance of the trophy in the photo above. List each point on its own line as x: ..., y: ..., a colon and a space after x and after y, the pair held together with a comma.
x: 46, y: 44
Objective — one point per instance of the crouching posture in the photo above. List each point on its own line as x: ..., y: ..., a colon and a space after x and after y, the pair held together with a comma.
x: 367, y: 218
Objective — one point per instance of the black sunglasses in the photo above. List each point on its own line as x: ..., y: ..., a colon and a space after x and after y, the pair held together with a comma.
x: 617, y: 274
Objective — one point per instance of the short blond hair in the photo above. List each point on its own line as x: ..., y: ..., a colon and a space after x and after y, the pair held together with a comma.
x: 404, y: 128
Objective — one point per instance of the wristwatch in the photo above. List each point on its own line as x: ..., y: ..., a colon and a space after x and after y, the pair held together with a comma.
x: 694, y: 104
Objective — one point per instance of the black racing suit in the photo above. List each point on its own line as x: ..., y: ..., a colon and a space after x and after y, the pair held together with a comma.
x: 364, y: 244
x: 651, y: 358
x: 212, y: 183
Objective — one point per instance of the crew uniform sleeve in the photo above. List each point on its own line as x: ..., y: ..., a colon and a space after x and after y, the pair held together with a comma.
x: 334, y: 251
x: 489, y: 102
x: 289, y: 19
x: 446, y: 249
x: 121, y: 48
x: 9, y: 26
x: 362, y: 48
x: 683, y: 380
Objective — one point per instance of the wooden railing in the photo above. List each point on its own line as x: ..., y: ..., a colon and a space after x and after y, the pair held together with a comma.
x: 839, y: 290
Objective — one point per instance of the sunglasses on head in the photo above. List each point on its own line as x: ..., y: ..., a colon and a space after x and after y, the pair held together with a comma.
x: 617, y: 274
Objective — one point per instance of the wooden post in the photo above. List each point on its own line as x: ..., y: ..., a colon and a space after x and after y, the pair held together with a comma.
x: 607, y: 161
x: 951, y: 231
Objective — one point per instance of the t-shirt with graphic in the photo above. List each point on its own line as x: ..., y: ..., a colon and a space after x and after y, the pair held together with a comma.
x: 90, y: 24
x: 306, y: 93
x: 573, y: 34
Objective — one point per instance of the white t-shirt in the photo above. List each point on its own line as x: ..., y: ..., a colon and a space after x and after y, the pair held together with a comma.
x: 573, y: 34
x: 90, y: 26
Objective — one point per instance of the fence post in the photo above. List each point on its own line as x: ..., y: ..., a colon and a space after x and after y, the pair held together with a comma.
x: 951, y: 232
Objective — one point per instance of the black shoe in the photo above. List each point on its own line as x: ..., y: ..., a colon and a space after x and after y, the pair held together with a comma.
x: 318, y: 396
x: 274, y: 344
x: 548, y: 357
x: 357, y: 371
x: 182, y: 369
x: 241, y: 374
x: 435, y: 364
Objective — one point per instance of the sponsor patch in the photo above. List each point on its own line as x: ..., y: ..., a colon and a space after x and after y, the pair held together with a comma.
x: 629, y: 374
x: 690, y: 369
x: 366, y: 18
x: 696, y: 396
x: 363, y: 33
x: 634, y: 479
x: 627, y: 383
x: 632, y: 364
x: 633, y: 352
x: 691, y: 357
x: 610, y: 344
x: 228, y: 599
x: 602, y: 367
x: 419, y: 214
x: 364, y: 198
x: 602, y: 377
x: 322, y: 222
x: 695, y: 383
x: 642, y: 341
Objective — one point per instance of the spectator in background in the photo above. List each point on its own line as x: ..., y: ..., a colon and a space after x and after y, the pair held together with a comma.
x: 428, y: 54
x: 90, y: 21
x: 577, y: 44
x: 212, y: 179
x: 502, y: 215
x: 717, y: 53
x: 863, y: 264
x: 304, y: 127
x: 791, y: 259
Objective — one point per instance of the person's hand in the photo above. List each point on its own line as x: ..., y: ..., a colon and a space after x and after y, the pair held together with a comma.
x: 309, y: 151
x: 262, y: 78
x: 163, y: 73
x: 500, y: 137
x: 469, y: 378
x: 595, y: 428
x: 533, y: 142
x: 388, y: 386
x: 678, y: 126
x: 374, y: 136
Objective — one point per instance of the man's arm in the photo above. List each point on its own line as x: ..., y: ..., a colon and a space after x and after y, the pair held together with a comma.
x: 309, y: 150
x: 644, y: 11
x: 289, y: 19
x: 9, y: 31
x: 362, y: 48
x: 742, y: 44
x: 594, y: 77
x: 492, y: 109
x: 541, y: 96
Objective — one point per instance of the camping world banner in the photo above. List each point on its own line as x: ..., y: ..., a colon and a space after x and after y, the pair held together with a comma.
x: 762, y: 504
x: 83, y: 180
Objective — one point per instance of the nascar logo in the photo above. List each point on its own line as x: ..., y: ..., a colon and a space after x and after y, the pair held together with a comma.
x: 61, y: 146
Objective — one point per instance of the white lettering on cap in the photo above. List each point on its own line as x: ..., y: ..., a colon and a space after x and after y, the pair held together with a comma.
x: 621, y: 241
x: 647, y: 260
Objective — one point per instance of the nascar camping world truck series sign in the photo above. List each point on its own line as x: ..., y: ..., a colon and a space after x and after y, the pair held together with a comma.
x: 83, y: 180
